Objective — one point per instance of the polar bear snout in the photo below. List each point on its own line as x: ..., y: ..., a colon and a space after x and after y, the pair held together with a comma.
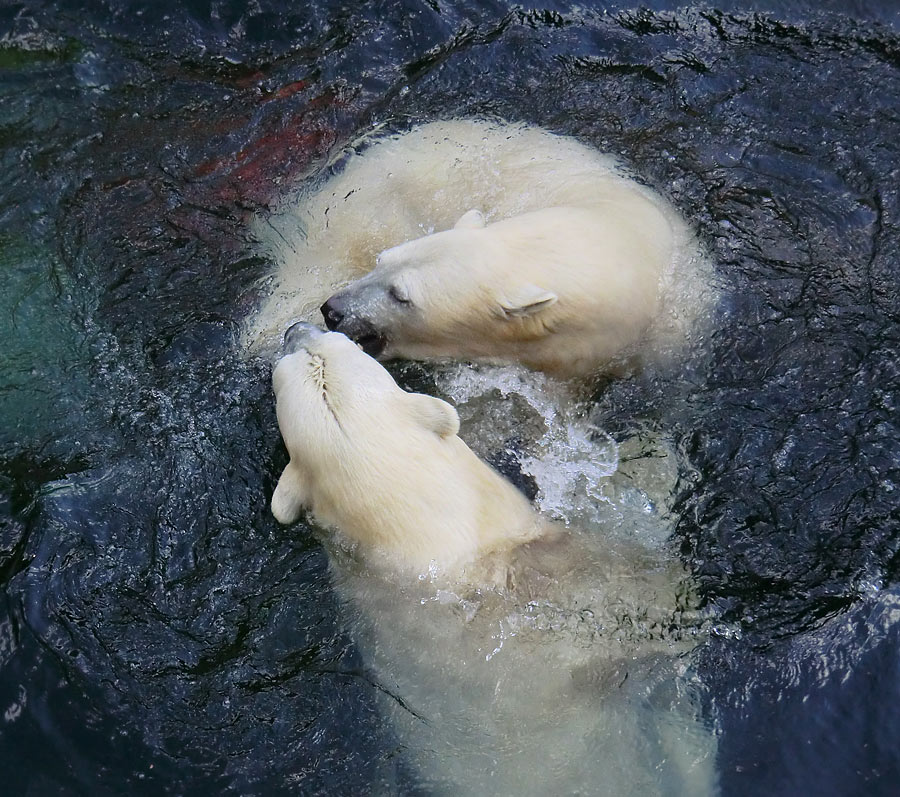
x: 340, y: 318
x: 334, y: 311
x: 298, y: 334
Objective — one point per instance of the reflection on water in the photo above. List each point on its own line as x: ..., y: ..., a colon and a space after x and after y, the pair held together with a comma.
x: 160, y: 633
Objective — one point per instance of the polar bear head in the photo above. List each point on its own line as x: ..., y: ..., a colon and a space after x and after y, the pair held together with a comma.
x: 448, y: 294
x: 565, y: 290
x: 383, y: 466
x: 333, y: 402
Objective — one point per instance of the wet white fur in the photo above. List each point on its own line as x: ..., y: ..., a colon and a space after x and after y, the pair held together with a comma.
x: 385, y: 467
x: 566, y: 290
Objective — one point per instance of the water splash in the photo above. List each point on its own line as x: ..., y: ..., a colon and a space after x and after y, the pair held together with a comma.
x: 544, y: 427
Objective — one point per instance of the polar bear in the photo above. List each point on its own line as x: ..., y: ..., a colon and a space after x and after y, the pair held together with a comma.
x: 511, y: 655
x: 565, y: 290
x: 596, y: 228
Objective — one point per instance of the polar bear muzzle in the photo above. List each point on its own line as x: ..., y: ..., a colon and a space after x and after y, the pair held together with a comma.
x: 339, y: 318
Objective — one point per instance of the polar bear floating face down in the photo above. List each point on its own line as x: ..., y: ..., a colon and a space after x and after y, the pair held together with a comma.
x: 385, y: 467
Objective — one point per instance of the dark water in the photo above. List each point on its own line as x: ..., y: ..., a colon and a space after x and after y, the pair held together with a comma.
x: 159, y: 634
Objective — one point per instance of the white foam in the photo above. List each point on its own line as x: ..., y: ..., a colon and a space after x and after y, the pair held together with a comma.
x: 548, y: 430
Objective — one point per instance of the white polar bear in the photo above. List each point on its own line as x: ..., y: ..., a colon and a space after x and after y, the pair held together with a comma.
x: 612, y: 270
x: 513, y: 656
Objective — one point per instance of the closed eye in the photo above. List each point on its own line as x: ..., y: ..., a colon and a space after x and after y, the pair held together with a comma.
x: 399, y: 295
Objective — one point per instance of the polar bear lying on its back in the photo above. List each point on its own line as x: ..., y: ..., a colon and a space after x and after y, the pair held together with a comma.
x: 612, y: 270
x: 512, y: 656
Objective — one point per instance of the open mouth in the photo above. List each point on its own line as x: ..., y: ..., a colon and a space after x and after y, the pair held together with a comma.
x: 371, y: 343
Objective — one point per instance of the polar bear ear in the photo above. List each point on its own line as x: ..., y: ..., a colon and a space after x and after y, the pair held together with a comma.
x: 470, y: 220
x: 289, y: 496
x: 434, y: 414
x: 526, y: 300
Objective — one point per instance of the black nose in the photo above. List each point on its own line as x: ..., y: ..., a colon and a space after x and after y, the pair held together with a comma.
x: 333, y: 312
